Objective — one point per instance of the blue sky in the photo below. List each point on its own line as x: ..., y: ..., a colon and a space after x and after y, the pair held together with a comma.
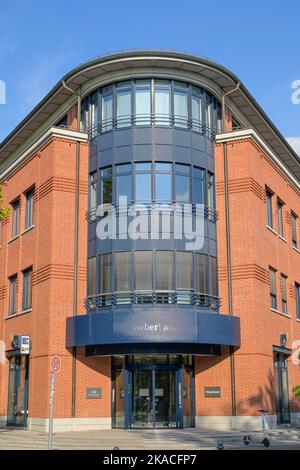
x: 258, y: 40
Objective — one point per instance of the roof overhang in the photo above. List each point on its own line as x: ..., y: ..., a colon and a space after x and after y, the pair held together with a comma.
x: 223, y: 79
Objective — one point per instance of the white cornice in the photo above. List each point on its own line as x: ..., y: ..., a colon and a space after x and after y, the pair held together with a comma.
x: 51, y: 132
x: 252, y: 134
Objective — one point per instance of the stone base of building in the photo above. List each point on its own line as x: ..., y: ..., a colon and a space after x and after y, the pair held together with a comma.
x: 69, y: 424
x: 241, y: 423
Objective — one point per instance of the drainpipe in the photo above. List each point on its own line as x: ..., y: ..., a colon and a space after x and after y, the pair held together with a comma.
x: 228, y: 249
x: 76, y: 236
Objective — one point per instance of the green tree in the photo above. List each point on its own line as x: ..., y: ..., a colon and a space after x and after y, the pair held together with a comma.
x: 4, y: 211
x: 296, y: 391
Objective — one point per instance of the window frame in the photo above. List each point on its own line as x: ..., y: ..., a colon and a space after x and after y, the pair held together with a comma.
x: 294, y: 223
x: 273, y: 293
x: 283, y: 286
x: 29, y: 208
x: 280, y: 225
x: 15, y: 228
x: 13, y: 297
x: 297, y: 296
x: 269, y: 207
x: 27, y: 289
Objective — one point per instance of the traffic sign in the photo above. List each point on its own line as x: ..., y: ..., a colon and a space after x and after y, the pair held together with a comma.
x: 55, y: 364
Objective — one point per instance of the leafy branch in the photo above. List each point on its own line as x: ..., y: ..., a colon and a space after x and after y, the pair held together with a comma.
x: 4, y: 211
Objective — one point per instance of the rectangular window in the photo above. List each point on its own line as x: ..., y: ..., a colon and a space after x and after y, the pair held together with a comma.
x: 107, y: 108
x: 269, y: 196
x: 201, y: 269
x: 182, y: 183
x: 162, y: 103
x: 27, y: 289
x: 198, y: 186
x: 273, y: 290
x: 91, y: 276
x: 12, y: 308
x: 124, y: 104
x: 283, y: 293
x: 105, y: 274
x: 214, y: 289
x: 123, y: 182
x: 297, y: 292
x: 280, y: 205
x: 93, y: 190
x: 143, y: 270
x: 142, y: 102
x: 164, y: 261
x: 94, y: 113
x: 196, y: 109
x: 180, y: 104
x: 143, y: 182
x: 211, y: 199
x: 29, y: 209
x: 294, y: 230
x: 163, y: 182
x: 106, y: 185
x: 184, y: 270
x: 15, y: 218
x: 122, y: 271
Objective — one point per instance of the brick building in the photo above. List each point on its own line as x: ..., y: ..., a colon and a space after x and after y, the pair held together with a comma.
x: 150, y: 333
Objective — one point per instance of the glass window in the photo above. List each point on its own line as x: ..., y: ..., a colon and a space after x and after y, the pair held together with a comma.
x: 209, y: 113
x: 163, y: 182
x: 94, y: 113
x: 294, y: 230
x: 143, y: 270
x: 211, y: 200
x: 182, y: 183
x: 29, y: 209
x: 273, y: 290
x: 124, y: 182
x: 164, y: 261
x: 105, y: 273
x: 214, y: 290
x: 106, y: 185
x: 269, y: 196
x: 122, y: 271
x: 85, y: 113
x: 107, y: 108
x: 280, y: 205
x: 27, y: 290
x: 93, y: 190
x: 180, y: 104
x: 297, y: 289
x: 142, y: 102
x: 184, y: 270
x: 196, y: 109
x: 12, y: 294
x: 143, y: 182
x: 15, y: 218
x: 198, y: 185
x: 124, y: 104
x: 91, y: 276
x: 283, y: 293
x: 201, y: 268
x: 162, y: 102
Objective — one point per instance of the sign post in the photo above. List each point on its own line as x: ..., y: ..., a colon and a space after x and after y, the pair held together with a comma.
x: 55, y: 367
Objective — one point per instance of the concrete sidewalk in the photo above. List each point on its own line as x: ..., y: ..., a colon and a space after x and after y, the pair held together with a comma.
x: 176, y: 439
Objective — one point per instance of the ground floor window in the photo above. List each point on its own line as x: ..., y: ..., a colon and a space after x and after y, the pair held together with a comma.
x: 153, y: 391
x: 17, y: 409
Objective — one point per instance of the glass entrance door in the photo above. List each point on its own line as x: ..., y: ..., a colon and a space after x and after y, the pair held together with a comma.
x: 283, y: 400
x: 18, y: 391
x: 154, y: 398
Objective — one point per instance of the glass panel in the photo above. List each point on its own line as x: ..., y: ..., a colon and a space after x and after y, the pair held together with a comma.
x: 201, y: 268
x: 184, y: 275
x: 162, y: 103
x: 211, y: 200
x: 143, y: 102
x: 29, y: 209
x: 122, y: 271
x: 15, y: 218
x: 107, y: 108
x: 180, y: 105
x: 182, y: 188
x: 93, y: 190
x: 119, y: 398
x: 198, y: 186
x: 214, y: 276
x: 196, y: 110
x: 123, y: 187
x: 143, y: 270
x: 164, y: 270
x: 269, y: 209
x: 105, y: 273
x: 26, y: 295
x: 142, y: 398
x: 163, y: 187
x: 106, y: 186
x: 280, y: 218
x: 94, y: 113
x: 165, y: 398
x: 143, y: 191
x: 18, y: 391
x: 91, y: 276
x: 124, y: 104
x: 13, y: 295
x: 187, y: 398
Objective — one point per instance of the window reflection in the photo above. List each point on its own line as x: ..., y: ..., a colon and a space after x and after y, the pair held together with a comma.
x: 162, y: 103
x: 180, y: 105
x: 142, y: 102
x: 106, y: 186
x: 163, y: 182
x: 143, y: 190
x: 107, y: 108
x: 124, y: 104
x: 182, y: 183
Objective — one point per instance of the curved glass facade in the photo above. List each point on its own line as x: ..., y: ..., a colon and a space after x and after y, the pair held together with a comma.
x: 151, y: 102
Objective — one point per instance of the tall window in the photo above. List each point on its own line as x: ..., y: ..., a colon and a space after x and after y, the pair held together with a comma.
x: 142, y: 102
x: 209, y: 109
x: 283, y: 293
x: 294, y: 230
x: 162, y: 102
x: 182, y: 183
x: 201, y: 271
x: 27, y: 289
x: 198, y: 185
x: 211, y: 200
x: 184, y: 270
x: 122, y: 271
x: 214, y: 290
x: 163, y: 182
x: 94, y: 113
x: 180, y: 104
x: 12, y: 308
x: 106, y: 185
x: 107, y: 108
x: 273, y: 290
x: 29, y: 209
x: 280, y: 205
x: 123, y: 182
x: 143, y: 270
x: 164, y: 261
x: 93, y: 190
x: 197, y: 109
x: 15, y: 218
x: 143, y: 182
x: 297, y: 292
x: 269, y: 196
x: 124, y: 104
x: 105, y: 273
x: 91, y: 276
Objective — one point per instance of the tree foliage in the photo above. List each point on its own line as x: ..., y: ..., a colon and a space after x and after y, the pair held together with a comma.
x: 4, y: 211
